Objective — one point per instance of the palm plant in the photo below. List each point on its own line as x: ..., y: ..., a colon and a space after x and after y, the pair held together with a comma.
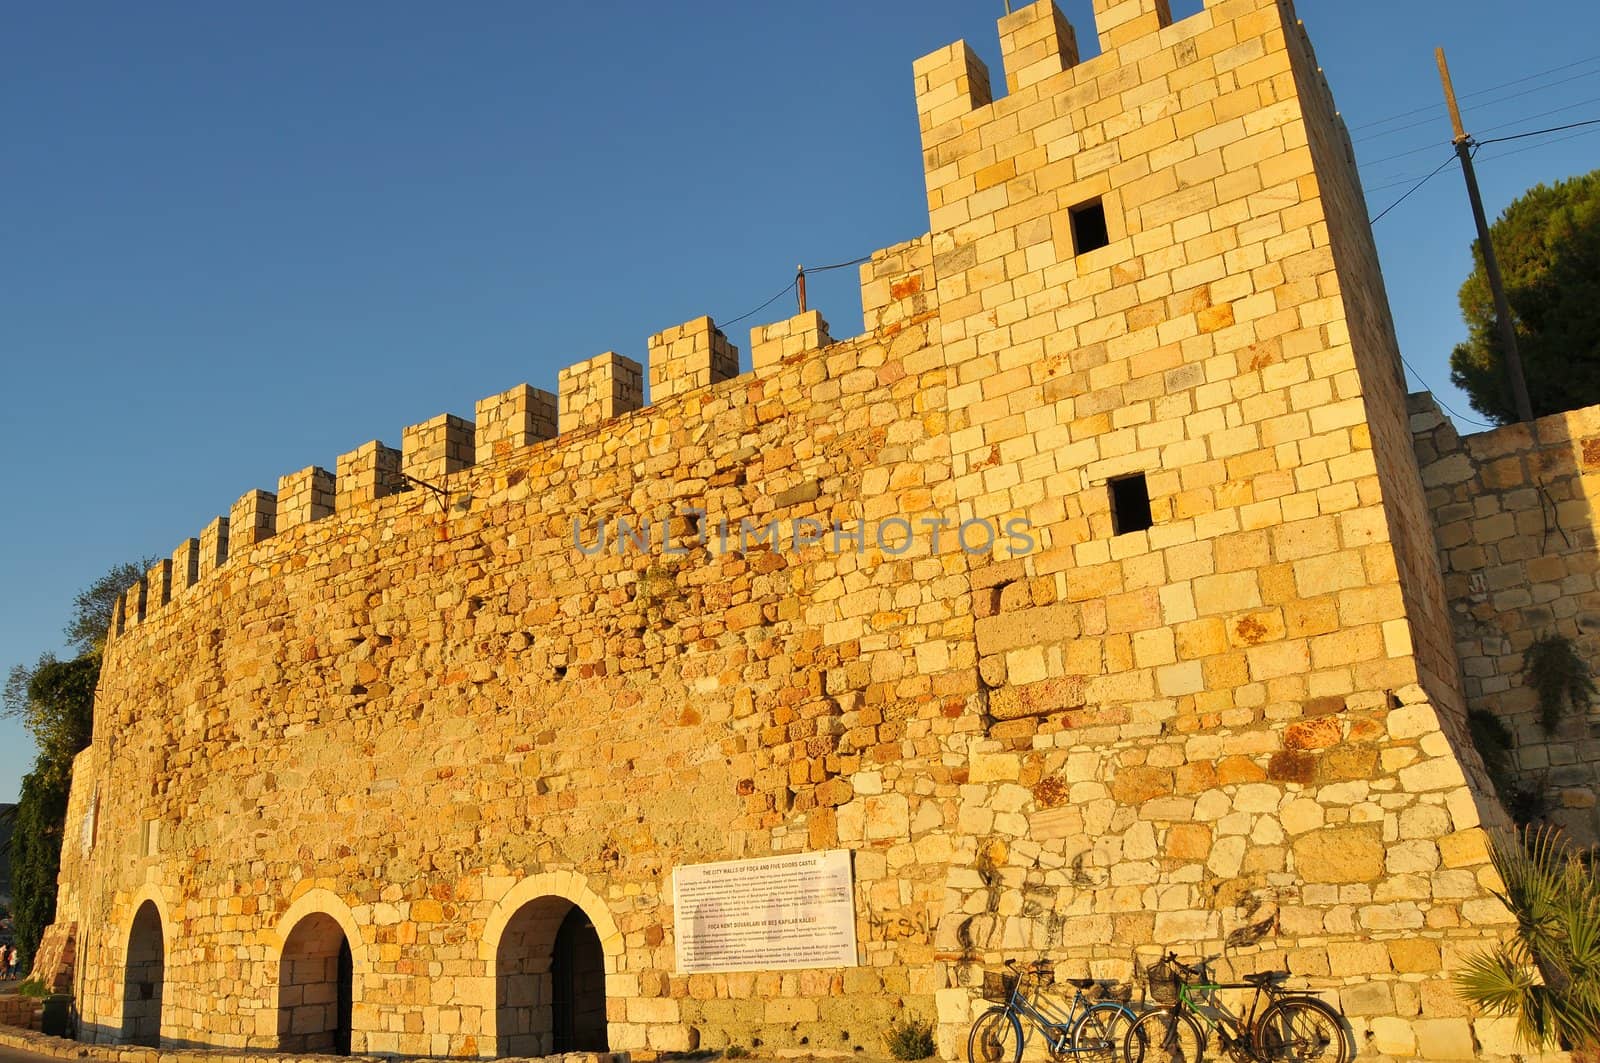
x: 1547, y: 975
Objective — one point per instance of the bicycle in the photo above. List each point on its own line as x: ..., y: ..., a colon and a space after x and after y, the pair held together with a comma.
x: 1294, y: 1027
x: 1092, y: 1034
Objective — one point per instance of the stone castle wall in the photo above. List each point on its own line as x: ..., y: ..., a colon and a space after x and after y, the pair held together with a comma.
x: 410, y: 713
x: 1516, y: 540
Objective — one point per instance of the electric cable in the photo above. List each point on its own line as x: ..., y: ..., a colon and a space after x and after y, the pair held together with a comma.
x: 1487, y: 103
x: 837, y: 265
x: 1493, y: 156
x: 1447, y: 407
x: 1414, y: 188
x: 791, y: 287
x: 1540, y: 132
x: 1541, y: 114
x: 1477, y: 93
x: 786, y: 290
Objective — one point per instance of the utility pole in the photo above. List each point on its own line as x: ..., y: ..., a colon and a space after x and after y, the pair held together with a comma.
x: 1491, y: 265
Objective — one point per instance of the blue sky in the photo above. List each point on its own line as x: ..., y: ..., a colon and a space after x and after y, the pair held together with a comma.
x: 238, y: 240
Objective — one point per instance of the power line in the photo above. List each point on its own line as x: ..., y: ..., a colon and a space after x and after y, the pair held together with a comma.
x: 1475, y: 95
x: 1448, y: 409
x: 1540, y: 132
x: 787, y: 288
x: 1396, y: 183
x: 1433, y: 117
x: 1402, y: 155
x: 1545, y: 144
x: 1541, y: 114
x: 838, y: 265
x: 1496, y: 140
x: 1414, y: 188
x: 791, y: 287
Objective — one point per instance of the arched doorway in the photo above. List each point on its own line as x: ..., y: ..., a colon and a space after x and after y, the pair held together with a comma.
x: 550, y: 982
x: 315, y: 988
x: 142, y: 979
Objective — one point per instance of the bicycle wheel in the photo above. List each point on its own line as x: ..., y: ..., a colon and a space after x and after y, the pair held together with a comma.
x: 1164, y: 1035
x: 1098, y: 1033
x: 1302, y: 1030
x: 996, y: 1038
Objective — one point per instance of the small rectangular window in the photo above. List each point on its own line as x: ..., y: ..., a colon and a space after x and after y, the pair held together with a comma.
x: 1089, y: 230
x: 1130, y: 504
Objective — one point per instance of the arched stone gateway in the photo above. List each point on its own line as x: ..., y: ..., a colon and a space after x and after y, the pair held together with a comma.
x: 550, y: 943
x: 550, y: 981
x: 315, y: 987
x: 143, y: 977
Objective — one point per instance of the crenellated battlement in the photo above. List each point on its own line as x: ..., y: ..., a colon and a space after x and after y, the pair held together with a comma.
x: 683, y: 359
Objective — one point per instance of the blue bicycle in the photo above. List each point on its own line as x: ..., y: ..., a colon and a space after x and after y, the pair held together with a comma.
x: 1092, y: 1029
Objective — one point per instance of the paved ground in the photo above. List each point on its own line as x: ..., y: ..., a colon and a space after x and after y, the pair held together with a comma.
x: 17, y: 1055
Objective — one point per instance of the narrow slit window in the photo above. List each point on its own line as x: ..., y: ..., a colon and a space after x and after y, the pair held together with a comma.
x: 1089, y: 230
x: 1130, y: 504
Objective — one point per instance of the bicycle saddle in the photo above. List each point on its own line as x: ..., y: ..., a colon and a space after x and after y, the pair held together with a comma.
x: 1265, y: 978
x: 1082, y: 983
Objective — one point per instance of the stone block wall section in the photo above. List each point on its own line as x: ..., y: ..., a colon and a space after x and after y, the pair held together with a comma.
x: 1516, y: 533
x: 1214, y: 722
x: 771, y: 344
x: 691, y: 356
x: 514, y: 419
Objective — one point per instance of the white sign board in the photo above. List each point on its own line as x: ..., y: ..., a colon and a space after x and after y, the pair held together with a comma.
x: 778, y: 913
x: 90, y: 816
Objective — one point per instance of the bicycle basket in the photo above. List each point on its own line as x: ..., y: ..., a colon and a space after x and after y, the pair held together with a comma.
x: 1161, y: 981
x: 998, y: 986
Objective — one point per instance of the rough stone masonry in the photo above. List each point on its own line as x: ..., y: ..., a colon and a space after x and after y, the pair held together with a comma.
x: 390, y: 761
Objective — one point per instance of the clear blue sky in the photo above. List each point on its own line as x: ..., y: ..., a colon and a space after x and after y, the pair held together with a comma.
x: 236, y: 240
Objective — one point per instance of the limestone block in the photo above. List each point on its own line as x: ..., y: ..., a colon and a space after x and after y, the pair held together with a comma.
x: 1121, y: 21
x: 134, y: 604
x: 1393, y: 1036
x: 304, y: 496
x: 213, y: 546
x: 606, y: 386
x: 771, y: 344
x: 158, y: 585
x: 252, y: 519
x: 434, y: 449
x: 1340, y: 854
x: 693, y: 355
x: 951, y: 82
x: 1035, y: 42
x: 369, y: 472
x: 1445, y: 1039
x: 185, y: 566
x: 512, y: 420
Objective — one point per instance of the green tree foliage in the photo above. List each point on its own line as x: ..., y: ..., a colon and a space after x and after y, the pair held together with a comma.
x: 36, y: 857
x: 55, y: 701
x: 1547, y: 976
x: 92, y: 610
x: 1548, y: 246
x: 95, y: 605
x: 57, y: 708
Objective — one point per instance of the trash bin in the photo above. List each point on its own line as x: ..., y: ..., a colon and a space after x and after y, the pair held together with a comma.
x: 57, y: 1020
